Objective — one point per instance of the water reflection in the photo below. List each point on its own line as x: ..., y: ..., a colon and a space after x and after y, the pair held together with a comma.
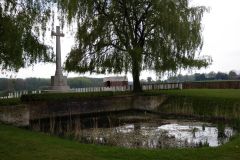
x: 196, y: 134
x: 152, y: 135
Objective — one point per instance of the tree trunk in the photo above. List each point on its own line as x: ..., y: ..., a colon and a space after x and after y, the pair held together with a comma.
x: 136, y: 74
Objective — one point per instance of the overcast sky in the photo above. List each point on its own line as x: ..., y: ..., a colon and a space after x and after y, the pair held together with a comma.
x: 221, y: 32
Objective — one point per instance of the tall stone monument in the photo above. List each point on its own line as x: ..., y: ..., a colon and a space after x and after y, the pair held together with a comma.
x: 58, y: 82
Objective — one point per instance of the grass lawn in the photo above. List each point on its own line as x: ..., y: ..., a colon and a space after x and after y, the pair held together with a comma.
x: 209, y: 93
x: 10, y: 101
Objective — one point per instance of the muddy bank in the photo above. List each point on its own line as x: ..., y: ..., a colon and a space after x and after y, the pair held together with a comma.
x: 202, y: 107
x: 16, y: 115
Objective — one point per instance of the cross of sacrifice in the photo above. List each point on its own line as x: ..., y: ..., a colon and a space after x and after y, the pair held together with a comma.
x: 58, y: 34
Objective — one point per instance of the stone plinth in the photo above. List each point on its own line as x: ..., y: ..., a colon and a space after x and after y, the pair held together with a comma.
x: 59, y: 83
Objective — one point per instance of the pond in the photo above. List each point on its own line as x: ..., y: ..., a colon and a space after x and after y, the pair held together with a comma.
x: 167, y: 134
x: 133, y: 129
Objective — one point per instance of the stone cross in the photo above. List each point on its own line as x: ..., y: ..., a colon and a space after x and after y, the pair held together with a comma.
x: 58, y: 34
x: 58, y: 82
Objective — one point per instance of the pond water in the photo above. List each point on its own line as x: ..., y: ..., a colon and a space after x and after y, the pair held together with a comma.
x: 170, y: 134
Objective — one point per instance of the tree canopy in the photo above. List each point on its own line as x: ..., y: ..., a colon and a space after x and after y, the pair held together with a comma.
x: 112, y: 36
x: 211, y: 76
x: 22, y: 23
x: 121, y: 36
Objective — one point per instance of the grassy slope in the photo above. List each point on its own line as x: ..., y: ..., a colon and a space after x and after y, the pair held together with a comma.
x: 19, y: 144
x: 9, y: 102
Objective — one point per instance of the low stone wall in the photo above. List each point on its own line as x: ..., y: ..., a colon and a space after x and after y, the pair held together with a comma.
x: 40, y: 110
x: 212, y: 85
x: 22, y: 115
x: 16, y: 115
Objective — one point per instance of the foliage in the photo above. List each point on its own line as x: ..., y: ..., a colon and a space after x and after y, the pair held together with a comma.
x: 232, y: 75
x: 211, y: 76
x: 203, y: 107
x: 121, y: 36
x: 82, y: 82
x: 222, y: 76
x: 20, y: 25
x: 9, y: 85
x: 199, y: 77
x: 112, y: 36
x: 21, y: 144
x: 10, y: 102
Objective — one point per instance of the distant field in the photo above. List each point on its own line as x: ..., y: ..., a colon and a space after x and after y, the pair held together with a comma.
x: 210, y: 93
x: 216, y: 81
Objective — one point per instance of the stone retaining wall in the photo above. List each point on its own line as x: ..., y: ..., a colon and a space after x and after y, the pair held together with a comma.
x: 17, y: 115
x: 39, y: 110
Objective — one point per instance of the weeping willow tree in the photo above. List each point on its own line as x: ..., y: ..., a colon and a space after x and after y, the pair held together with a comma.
x: 22, y: 22
x: 117, y: 36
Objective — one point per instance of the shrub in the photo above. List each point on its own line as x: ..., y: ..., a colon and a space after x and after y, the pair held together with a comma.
x: 10, y: 101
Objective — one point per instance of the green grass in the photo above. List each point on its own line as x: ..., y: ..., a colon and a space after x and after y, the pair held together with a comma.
x: 217, y: 93
x: 10, y: 101
x: 209, y: 93
x: 233, y: 94
x: 19, y: 144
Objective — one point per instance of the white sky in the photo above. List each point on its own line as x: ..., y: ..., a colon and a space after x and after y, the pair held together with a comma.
x: 221, y: 41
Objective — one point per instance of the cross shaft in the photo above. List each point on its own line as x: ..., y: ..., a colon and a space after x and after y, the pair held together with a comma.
x: 58, y: 34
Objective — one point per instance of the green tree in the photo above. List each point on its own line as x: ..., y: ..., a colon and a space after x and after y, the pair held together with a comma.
x: 232, y: 75
x: 22, y: 22
x: 134, y: 35
x: 200, y: 77
x: 149, y: 80
x: 211, y: 75
x: 222, y: 76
